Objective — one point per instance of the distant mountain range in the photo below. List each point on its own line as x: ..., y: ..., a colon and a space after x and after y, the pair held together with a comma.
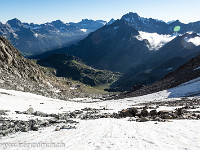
x: 32, y: 39
x: 158, y: 26
x: 145, y: 50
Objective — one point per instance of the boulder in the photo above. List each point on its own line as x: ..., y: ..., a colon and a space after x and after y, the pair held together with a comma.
x: 2, y: 112
x: 166, y: 116
x: 35, y: 128
x: 179, y: 111
x: 57, y: 128
x: 144, y: 112
x: 142, y: 119
x: 153, y: 113
x: 30, y: 110
x: 41, y: 114
x: 24, y: 129
x: 161, y: 112
x: 158, y: 119
x: 129, y: 112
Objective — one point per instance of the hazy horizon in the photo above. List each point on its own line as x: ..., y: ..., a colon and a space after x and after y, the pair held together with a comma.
x: 39, y: 12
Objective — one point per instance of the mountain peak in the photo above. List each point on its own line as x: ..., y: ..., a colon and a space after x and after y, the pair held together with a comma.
x: 58, y: 23
x: 125, y: 28
x: 175, y: 22
x: 111, y: 21
x: 14, y: 22
x: 86, y: 20
x: 130, y: 15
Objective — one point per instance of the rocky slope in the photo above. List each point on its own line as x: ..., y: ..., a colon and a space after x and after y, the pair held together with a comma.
x: 185, y: 73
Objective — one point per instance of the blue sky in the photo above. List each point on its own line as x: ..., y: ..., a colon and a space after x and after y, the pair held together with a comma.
x: 40, y: 11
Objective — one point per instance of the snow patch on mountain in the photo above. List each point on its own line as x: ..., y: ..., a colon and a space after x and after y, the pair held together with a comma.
x: 195, y: 40
x: 128, y: 19
x: 197, y: 68
x: 156, y: 41
x: 15, y: 35
x: 169, y: 22
x: 168, y: 69
x: 157, y: 20
x: 143, y: 19
x: 116, y: 27
x: 36, y: 35
x: 84, y: 30
x: 38, y: 27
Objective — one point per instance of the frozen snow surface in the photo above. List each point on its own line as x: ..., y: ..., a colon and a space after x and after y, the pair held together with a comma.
x: 117, y: 134
x: 156, y: 41
x: 103, y: 134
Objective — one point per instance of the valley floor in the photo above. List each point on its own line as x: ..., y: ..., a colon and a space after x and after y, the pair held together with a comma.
x: 104, y: 133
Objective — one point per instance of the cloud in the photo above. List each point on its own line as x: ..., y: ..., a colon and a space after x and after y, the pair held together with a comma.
x: 195, y: 40
x: 156, y: 41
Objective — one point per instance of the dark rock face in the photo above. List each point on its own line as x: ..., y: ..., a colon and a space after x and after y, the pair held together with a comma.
x: 185, y: 73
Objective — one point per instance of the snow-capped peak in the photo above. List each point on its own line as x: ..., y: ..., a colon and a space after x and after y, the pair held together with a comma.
x: 169, y: 22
